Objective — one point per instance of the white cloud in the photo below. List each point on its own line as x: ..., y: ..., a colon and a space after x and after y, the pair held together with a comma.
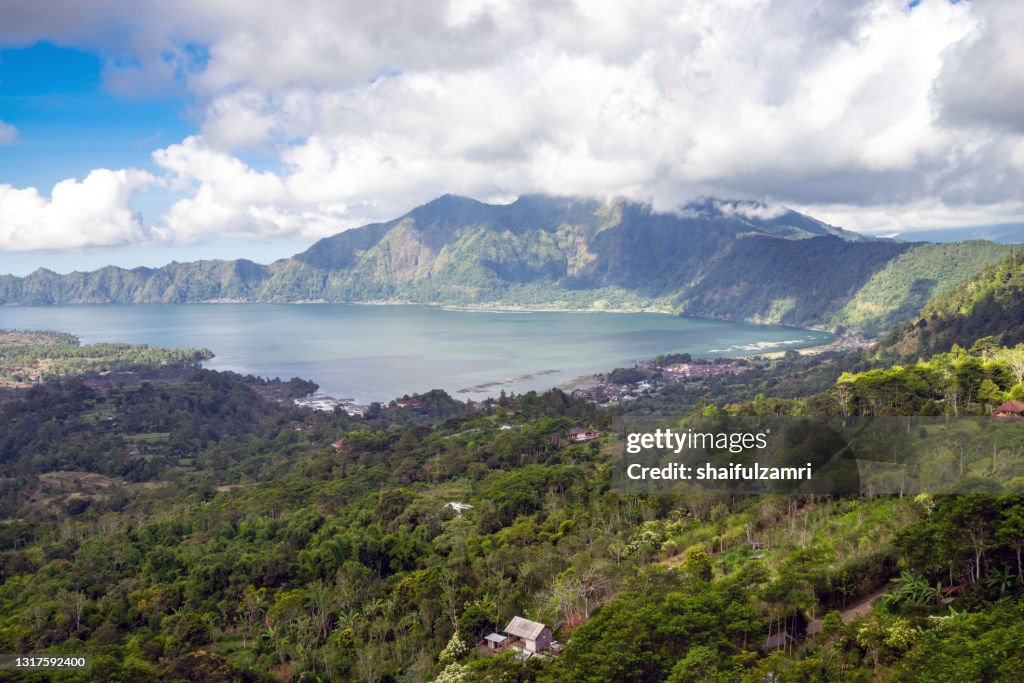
x: 94, y: 212
x: 981, y: 78
x: 888, y: 219
x: 866, y: 109
x: 227, y: 197
x: 8, y: 133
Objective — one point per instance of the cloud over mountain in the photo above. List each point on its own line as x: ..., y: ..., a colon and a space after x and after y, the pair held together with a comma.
x: 873, y: 115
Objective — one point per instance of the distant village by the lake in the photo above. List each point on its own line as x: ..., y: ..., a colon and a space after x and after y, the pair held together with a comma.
x: 619, y: 386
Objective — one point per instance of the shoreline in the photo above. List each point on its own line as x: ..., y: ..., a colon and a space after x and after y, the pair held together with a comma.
x: 495, y: 307
x: 490, y: 387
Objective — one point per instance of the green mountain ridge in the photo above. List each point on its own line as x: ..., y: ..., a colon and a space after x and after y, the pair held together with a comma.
x: 989, y: 304
x: 712, y: 258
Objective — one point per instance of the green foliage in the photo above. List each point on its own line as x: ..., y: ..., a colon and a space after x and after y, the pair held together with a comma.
x: 981, y: 646
x: 197, y: 534
x: 455, y: 650
x: 957, y: 381
x: 697, y: 565
x: 35, y: 357
x: 700, y: 664
x: 988, y: 304
x: 897, y: 292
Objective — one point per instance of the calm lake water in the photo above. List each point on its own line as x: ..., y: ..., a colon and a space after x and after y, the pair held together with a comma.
x: 374, y: 353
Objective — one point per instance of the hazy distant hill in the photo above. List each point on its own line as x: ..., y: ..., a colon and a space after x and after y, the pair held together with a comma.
x: 1008, y: 233
x: 733, y: 260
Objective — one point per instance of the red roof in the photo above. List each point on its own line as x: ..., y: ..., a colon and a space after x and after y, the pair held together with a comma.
x: 1011, y: 407
x: 408, y: 402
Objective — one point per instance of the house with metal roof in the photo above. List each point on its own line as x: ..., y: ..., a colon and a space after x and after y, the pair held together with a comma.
x: 535, y: 636
x: 495, y: 641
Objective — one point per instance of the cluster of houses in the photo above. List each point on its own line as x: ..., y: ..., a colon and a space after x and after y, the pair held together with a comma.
x: 681, y: 372
x: 327, y: 404
x: 606, y: 393
x: 603, y: 391
x: 528, y: 638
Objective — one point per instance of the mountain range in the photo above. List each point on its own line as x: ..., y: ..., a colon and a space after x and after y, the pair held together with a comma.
x: 735, y: 260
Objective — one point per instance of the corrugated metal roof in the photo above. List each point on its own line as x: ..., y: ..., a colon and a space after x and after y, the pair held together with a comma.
x: 524, y: 628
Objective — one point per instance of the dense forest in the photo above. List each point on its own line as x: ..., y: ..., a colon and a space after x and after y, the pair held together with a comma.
x: 204, y: 528
x: 990, y: 303
x: 214, y: 535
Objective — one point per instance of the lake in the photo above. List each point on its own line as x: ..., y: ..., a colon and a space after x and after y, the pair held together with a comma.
x: 376, y: 353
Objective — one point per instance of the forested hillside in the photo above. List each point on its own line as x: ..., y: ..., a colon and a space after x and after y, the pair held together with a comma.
x: 989, y: 304
x: 731, y: 260
x: 198, y: 531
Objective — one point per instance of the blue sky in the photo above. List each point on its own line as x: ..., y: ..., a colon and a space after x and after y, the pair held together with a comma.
x: 137, y: 133
x: 69, y: 123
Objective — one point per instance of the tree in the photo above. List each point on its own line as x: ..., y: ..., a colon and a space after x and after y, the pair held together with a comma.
x: 985, y: 348
x: 475, y: 622
x: 700, y: 664
x: 455, y: 650
x: 575, y: 592
x: 1011, y: 532
x: 192, y: 629
x: 1013, y: 359
x: 989, y: 393
x: 73, y: 604
x: 697, y: 564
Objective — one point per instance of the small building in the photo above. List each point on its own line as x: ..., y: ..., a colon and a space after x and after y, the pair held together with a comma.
x: 495, y: 641
x: 338, y: 444
x: 409, y: 403
x: 535, y: 636
x: 1010, y: 409
x: 581, y: 435
x: 458, y: 507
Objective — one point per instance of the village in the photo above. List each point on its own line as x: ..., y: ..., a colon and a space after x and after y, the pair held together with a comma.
x: 327, y: 404
x: 629, y: 384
